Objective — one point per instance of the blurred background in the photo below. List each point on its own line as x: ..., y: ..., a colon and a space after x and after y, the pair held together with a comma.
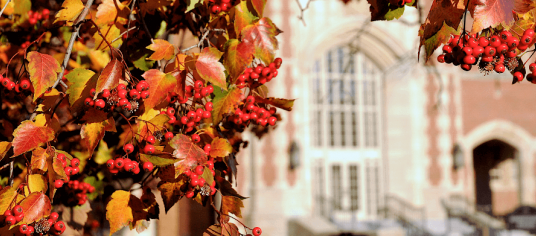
x: 380, y: 143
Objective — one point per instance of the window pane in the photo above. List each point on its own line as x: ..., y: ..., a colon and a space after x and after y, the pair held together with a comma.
x: 320, y: 192
x: 354, y: 129
x: 377, y: 185
x: 319, y: 128
x: 343, y: 132
x: 354, y: 187
x: 340, y: 53
x: 369, y: 189
x: 336, y: 180
x: 341, y: 91
x: 329, y: 61
x: 332, y: 128
x: 352, y: 95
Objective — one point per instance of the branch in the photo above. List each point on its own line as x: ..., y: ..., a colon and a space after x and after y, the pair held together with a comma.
x: 150, y: 36
x: 74, y: 35
x: 302, y: 10
x: 200, y: 43
x: 121, y: 35
x: 3, y: 8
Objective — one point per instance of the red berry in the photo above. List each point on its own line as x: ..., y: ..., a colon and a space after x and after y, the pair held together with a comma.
x: 206, y: 114
x: 199, y: 170
x: 519, y: 76
x: 119, y: 163
x: 148, y: 149
x: 257, y: 231
x: 168, y: 136
x: 170, y: 111
x: 198, y: 84
x: 122, y: 93
x: 128, y: 148
x: 23, y: 229
x: 58, y: 183
x: 75, y: 162
x: 189, y: 194
x: 8, y: 213
x: 134, y: 94
x: 278, y: 61
x: 209, y: 106
x: 10, y: 220
x: 499, y: 68
x: 75, y: 170
x: 54, y: 216
x: 441, y: 58
x: 150, y: 139
x: 272, y: 120
x: 110, y: 164
x: 148, y: 166
x: 25, y: 84
x: 19, y: 217
x: 30, y: 230
x: 105, y: 93
x: 17, y: 210
x: 196, y: 138
x: 59, y: 226
x: 99, y: 103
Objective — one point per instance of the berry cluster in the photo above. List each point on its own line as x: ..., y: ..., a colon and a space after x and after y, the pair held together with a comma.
x: 14, y: 216
x: 253, y: 113
x: 69, y: 170
x: 49, y: 226
x: 497, y: 52
x: 220, y: 5
x: 126, y: 164
x: 193, y: 118
x: 126, y: 98
x: 76, y: 192
x: 24, y: 84
x: 197, y: 182
x: 260, y: 74
x: 33, y: 17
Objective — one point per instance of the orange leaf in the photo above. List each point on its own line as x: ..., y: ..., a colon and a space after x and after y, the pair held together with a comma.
x: 187, y: 150
x: 93, y: 130
x: 224, y: 102
x: 4, y: 148
x: 43, y: 70
x: 69, y: 12
x: 109, y: 77
x: 110, y: 10
x: 220, y: 147
x: 161, y: 85
x: 259, y: 6
x: 150, y: 122
x: 118, y: 212
x: 35, y: 206
x: 209, y: 67
x: 6, y: 197
x: 29, y: 136
x: 230, y: 204
x: 237, y: 57
x: 39, y: 160
x: 285, y: 104
x: 172, y: 191
x: 162, y: 50
x: 243, y: 16
x: 261, y: 35
x: 228, y: 229
x: 495, y: 12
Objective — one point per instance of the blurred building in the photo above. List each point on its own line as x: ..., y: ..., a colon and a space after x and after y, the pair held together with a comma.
x: 379, y: 143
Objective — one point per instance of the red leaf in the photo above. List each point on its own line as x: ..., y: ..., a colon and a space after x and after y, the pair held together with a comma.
x: 29, y: 136
x: 162, y: 50
x: 494, y: 12
x: 161, y: 85
x: 43, y: 70
x: 285, y: 104
x: 109, y: 77
x: 224, y: 102
x: 237, y: 57
x: 35, y: 206
x: 94, y: 128
x: 261, y: 35
x: 209, y: 67
x: 187, y: 150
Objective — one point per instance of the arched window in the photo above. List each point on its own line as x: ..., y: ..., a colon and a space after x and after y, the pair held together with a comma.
x: 345, y: 110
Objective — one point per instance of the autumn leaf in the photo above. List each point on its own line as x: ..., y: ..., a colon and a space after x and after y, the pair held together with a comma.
x: 162, y: 50
x: 220, y: 147
x: 37, y: 183
x: 172, y: 191
x: 209, y: 67
x: 259, y: 6
x: 237, y: 57
x: 230, y: 204
x: 29, y: 136
x: 118, y: 212
x: 39, y: 160
x: 43, y: 70
x: 224, y: 102
x: 243, y: 16
x: 228, y: 229
x: 103, y: 153
x: 110, y: 10
x: 207, y: 176
x: 110, y: 32
x: 185, y: 149
x: 226, y: 189
x: 161, y: 85
x: 69, y: 12
x: 159, y: 158
x: 150, y: 122
x: 6, y: 197
x: 261, y: 35
x: 441, y: 37
x: 4, y: 148
x: 143, y: 210
x: 36, y: 206
x: 285, y: 104
x: 93, y: 130
x: 494, y: 12
x: 261, y: 91
x: 80, y: 82
x: 109, y: 77
x: 76, y: 216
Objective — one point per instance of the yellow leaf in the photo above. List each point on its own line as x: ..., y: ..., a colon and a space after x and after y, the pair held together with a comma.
x: 4, y: 147
x: 109, y: 10
x: 37, y: 183
x: 118, y: 212
x: 103, y: 153
x: 99, y: 59
x: 70, y: 11
x: 9, y: 9
x: 110, y: 33
x: 162, y: 50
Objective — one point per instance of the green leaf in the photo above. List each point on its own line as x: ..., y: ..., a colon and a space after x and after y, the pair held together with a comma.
x: 80, y: 82
x: 224, y: 102
x: 442, y: 36
x: 394, y: 14
x: 209, y: 67
x: 159, y: 159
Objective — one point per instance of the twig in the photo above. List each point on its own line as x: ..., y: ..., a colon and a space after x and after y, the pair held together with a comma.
x: 4, y: 166
x: 74, y: 35
x: 302, y: 10
x: 3, y: 8
x: 198, y: 44
x: 121, y: 35
x: 11, y: 173
x: 130, y: 16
